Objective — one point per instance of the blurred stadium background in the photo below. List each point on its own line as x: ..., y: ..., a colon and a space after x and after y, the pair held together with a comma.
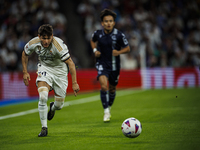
x: 164, y: 36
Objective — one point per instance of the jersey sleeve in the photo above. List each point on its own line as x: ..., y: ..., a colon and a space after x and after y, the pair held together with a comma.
x: 94, y: 36
x: 123, y: 41
x: 62, y: 48
x: 64, y: 54
x: 29, y: 49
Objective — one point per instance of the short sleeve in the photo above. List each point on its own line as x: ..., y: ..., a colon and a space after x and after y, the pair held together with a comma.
x: 94, y: 36
x: 64, y: 54
x: 123, y: 41
x: 28, y: 49
x: 61, y: 48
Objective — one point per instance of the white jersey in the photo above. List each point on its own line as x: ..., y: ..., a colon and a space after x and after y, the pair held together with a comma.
x: 51, y: 68
x: 53, y: 56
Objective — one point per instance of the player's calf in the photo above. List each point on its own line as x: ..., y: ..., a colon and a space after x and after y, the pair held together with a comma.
x: 57, y: 105
x: 42, y: 105
x: 51, y: 113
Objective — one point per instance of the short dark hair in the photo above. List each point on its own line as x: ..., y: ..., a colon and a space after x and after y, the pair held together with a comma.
x: 107, y: 12
x: 45, y: 29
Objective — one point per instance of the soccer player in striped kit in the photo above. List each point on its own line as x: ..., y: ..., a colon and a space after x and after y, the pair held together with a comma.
x: 54, y: 64
x: 107, y: 44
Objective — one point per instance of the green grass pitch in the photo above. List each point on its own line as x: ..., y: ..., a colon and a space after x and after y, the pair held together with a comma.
x: 170, y: 120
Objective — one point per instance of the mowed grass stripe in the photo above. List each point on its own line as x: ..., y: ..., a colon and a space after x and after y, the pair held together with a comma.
x: 74, y: 102
x: 169, y: 117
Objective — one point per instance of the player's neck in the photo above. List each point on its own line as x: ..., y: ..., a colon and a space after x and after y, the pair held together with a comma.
x: 107, y: 31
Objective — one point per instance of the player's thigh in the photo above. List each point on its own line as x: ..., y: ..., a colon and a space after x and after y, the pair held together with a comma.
x: 60, y: 86
x: 44, y: 77
x: 113, y: 78
x: 43, y: 83
x: 103, y: 80
x: 112, y: 88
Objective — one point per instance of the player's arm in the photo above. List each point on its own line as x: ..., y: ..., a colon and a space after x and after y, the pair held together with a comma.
x: 122, y: 51
x: 26, y: 76
x: 72, y: 70
x: 94, y: 47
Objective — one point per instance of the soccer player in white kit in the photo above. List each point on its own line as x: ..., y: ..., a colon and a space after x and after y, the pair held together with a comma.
x: 53, y: 66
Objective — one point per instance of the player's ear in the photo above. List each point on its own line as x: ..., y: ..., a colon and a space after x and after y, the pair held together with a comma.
x: 102, y: 23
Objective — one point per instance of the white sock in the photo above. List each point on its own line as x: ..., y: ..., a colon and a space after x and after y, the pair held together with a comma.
x: 42, y: 105
x: 58, y: 104
x: 43, y: 110
x: 53, y: 108
x: 106, y: 110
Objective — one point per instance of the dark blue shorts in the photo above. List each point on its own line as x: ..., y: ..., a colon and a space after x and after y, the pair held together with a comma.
x: 113, y: 76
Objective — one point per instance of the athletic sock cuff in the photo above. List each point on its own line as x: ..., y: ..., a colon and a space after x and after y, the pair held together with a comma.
x: 103, y: 92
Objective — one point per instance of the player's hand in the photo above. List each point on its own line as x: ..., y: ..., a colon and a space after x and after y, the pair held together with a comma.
x: 115, y: 53
x: 26, y: 78
x: 75, y: 88
x: 97, y: 54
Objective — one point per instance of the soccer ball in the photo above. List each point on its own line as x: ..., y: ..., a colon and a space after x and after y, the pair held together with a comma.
x: 131, y: 127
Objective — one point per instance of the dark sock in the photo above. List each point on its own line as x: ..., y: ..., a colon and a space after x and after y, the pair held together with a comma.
x: 111, y: 98
x: 104, y: 98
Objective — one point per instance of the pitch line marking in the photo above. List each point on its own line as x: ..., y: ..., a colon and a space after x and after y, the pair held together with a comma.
x: 74, y: 102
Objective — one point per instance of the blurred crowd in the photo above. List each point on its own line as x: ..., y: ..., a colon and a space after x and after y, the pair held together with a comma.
x: 19, y: 22
x: 168, y: 31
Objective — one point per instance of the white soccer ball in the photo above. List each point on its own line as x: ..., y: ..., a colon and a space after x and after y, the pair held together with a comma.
x: 131, y: 127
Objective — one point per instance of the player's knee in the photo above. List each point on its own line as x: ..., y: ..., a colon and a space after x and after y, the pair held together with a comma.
x: 112, y: 89
x: 59, y: 102
x: 43, y: 94
x: 104, y: 88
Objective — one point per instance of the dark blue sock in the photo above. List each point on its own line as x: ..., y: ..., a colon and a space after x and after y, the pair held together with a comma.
x: 104, y: 98
x: 111, y: 98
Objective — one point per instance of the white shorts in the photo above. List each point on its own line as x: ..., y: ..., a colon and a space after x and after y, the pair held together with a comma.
x: 55, y: 78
